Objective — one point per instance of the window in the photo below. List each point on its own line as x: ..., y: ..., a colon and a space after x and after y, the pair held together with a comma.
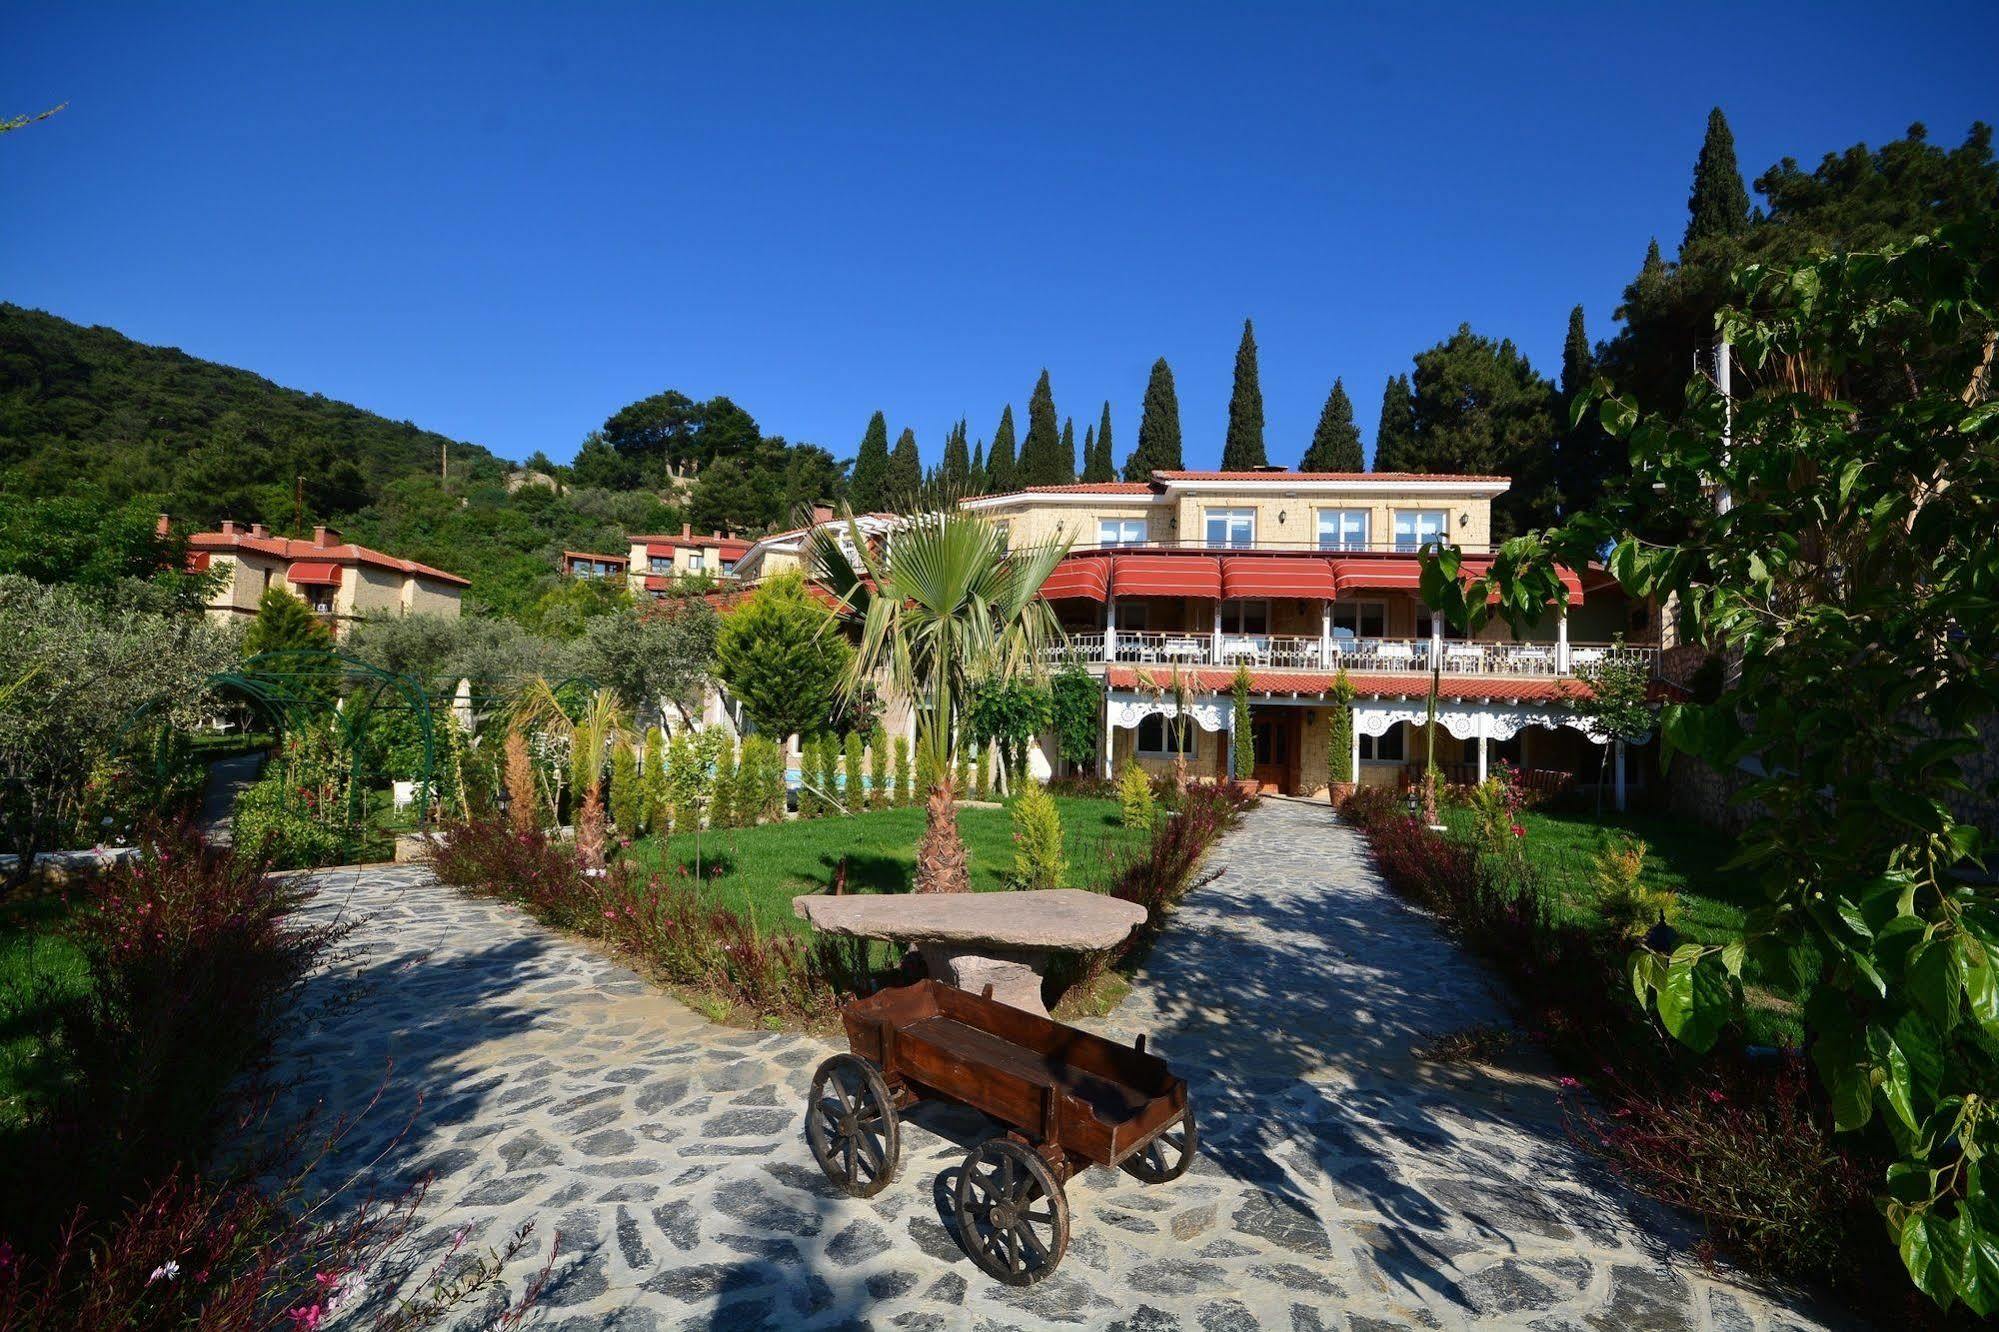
x: 1133, y: 614
x: 1424, y: 616
x: 661, y: 564
x: 1383, y: 748
x: 320, y: 599
x: 1231, y: 527
x: 696, y: 561
x: 728, y: 566
x: 1343, y: 529
x: 1120, y: 531
x: 1360, y: 619
x: 1417, y: 528
x: 1245, y: 617
x: 1156, y: 738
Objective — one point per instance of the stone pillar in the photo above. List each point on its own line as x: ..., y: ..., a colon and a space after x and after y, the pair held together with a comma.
x: 1562, y: 641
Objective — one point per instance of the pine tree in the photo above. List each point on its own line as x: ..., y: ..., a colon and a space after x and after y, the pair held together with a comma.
x: 1655, y: 263
x: 1394, y: 438
x: 1718, y: 205
x: 867, y: 487
x: 1158, y: 428
x: 284, y: 623
x: 957, y: 466
x: 1065, y: 453
x: 976, y: 484
x: 905, y: 474
x: 1582, y: 457
x: 1243, y: 449
x: 1000, y: 473
x: 1040, y: 453
x: 1336, y: 443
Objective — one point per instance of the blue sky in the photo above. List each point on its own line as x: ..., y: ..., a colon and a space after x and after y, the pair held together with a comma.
x: 505, y: 221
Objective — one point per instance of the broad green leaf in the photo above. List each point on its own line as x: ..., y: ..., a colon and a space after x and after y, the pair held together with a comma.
x: 1910, y: 808
x: 1676, y: 995
x: 1891, y: 1076
x: 1733, y: 954
x: 1917, y: 1257
x: 1936, y: 978
x: 1981, y: 993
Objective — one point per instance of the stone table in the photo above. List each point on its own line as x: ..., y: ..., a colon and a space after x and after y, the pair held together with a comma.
x: 973, y: 940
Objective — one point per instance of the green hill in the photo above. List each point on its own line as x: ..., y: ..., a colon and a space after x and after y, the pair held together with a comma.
x: 90, y: 408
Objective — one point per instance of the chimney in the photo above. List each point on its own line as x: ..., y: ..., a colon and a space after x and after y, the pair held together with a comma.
x: 164, y: 527
x: 323, y: 536
x: 259, y: 530
x: 687, y: 529
x: 718, y: 536
x: 228, y: 527
x: 822, y: 513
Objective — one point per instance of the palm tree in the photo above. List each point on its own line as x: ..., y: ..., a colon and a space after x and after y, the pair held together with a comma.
x: 601, y: 724
x: 943, y: 608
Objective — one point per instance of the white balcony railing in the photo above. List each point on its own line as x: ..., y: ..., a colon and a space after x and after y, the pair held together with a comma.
x: 1375, y: 656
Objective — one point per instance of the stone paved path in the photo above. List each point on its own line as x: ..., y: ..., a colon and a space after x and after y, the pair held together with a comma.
x: 1342, y: 1184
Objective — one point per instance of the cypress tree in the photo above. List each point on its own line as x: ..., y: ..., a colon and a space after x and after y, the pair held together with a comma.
x: 1158, y: 428
x: 867, y: 487
x: 1040, y: 453
x: 1065, y: 453
x: 1109, y: 464
x: 905, y: 472
x: 1582, y: 455
x: 976, y: 483
x: 1394, y: 438
x: 1243, y: 449
x: 1000, y: 474
x: 1718, y: 205
x: 957, y: 465
x: 1096, y: 457
x: 1336, y: 443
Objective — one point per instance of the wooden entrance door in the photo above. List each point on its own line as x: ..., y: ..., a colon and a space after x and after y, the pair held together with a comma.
x: 1273, y: 734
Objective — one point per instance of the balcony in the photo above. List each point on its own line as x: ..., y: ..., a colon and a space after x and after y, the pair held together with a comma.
x: 1371, y: 656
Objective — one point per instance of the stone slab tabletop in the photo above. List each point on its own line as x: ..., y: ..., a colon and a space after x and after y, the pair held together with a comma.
x: 1061, y: 918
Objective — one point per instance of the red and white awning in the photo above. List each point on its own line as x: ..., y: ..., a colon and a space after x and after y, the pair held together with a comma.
x: 313, y: 573
x: 1167, y: 576
x: 1078, y: 578
x: 1308, y: 577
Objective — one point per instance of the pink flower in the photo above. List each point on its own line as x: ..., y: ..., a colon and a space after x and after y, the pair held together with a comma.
x: 1570, y: 1084
x: 306, y: 1316
x: 1519, y: 831
x: 1715, y: 1097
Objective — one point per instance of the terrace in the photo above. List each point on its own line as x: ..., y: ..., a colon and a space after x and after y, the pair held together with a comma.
x: 1379, y: 656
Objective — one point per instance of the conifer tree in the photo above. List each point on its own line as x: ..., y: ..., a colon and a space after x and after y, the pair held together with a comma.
x: 1394, y: 437
x: 1089, y: 455
x: 1065, y: 453
x: 1243, y: 449
x: 1336, y: 443
x: 1718, y: 205
x: 1582, y: 456
x: 1040, y: 462
x: 1158, y: 427
x: 1655, y: 263
x: 976, y: 483
x: 956, y: 471
x: 1108, y: 466
x: 1000, y: 474
x: 905, y: 473
x: 867, y: 487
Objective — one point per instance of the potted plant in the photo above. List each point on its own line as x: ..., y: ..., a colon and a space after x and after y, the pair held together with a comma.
x: 1339, y: 741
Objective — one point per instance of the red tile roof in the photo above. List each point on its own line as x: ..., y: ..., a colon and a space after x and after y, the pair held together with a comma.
x: 1325, y: 476
x: 725, y: 544
x: 287, y: 548
x: 1080, y: 488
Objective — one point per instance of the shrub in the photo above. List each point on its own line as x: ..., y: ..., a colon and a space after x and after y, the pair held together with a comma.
x: 523, y: 792
x: 686, y: 782
x: 288, y: 826
x: 723, y: 806
x: 905, y: 793
x: 1243, y: 752
x: 1135, y: 795
x: 982, y: 780
x: 1629, y: 906
x: 926, y: 779
x: 656, y: 806
x: 625, y: 804
x: 855, y: 775
x: 1369, y: 807
x: 828, y: 774
x: 1038, y: 861
x: 961, y: 775
x: 879, y: 794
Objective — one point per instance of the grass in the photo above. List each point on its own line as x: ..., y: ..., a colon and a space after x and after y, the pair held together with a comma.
x: 761, y: 869
x: 39, y: 971
x: 1682, y: 856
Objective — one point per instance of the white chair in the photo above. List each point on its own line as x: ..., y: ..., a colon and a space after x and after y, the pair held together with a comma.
x: 1464, y: 658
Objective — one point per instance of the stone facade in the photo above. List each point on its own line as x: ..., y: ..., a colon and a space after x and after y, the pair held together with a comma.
x: 364, y: 582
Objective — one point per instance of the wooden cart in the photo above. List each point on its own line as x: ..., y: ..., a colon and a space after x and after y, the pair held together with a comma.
x: 1069, y: 1099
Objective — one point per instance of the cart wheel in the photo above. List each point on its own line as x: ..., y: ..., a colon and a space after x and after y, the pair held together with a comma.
x: 1167, y: 1156
x: 1012, y: 1217
x: 851, y: 1126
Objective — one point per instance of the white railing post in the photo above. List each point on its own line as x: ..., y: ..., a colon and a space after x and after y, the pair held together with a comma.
x: 1110, y: 630
x: 1215, y: 638
x: 1326, y: 635
x: 1562, y: 641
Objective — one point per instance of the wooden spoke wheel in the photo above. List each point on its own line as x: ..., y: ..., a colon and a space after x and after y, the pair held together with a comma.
x: 1167, y: 1156
x: 1012, y: 1217
x: 851, y: 1126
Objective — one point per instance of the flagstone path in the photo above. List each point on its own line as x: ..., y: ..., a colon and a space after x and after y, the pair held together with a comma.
x: 1342, y: 1184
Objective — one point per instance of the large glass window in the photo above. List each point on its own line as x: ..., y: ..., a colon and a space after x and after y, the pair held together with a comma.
x: 1425, y: 618
x: 1156, y: 737
x: 1343, y: 529
x: 696, y: 561
x: 1360, y: 619
x: 661, y: 564
x: 1121, y: 531
x: 1417, y: 528
x: 1383, y: 748
x: 1231, y: 527
x: 1245, y: 617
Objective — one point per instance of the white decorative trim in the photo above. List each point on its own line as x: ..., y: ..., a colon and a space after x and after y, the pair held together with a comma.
x: 1126, y: 710
x: 1295, y: 482
x: 1473, y: 721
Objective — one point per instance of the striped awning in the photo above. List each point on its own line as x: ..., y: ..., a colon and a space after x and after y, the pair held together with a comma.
x: 313, y: 573
x: 1078, y: 578
x: 1374, y: 575
x: 1476, y: 567
x: 1167, y: 576
x: 1278, y: 576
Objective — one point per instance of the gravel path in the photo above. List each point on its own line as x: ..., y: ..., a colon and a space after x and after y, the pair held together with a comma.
x: 1342, y: 1184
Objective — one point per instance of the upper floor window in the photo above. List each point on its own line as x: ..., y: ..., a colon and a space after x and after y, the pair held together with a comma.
x: 1360, y: 619
x: 696, y: 561
x: 1120, y: 531
x: 1416, y: 529
x: 1343, y: 529
x: 1005, y: 529
x: 728, y: 566
x: 1231, y: 527
x: 662, y: 564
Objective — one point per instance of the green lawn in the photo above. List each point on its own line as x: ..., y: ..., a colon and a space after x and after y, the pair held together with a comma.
x: 39, y: 970
x: 763, y: 868
x: 1681, y: 855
